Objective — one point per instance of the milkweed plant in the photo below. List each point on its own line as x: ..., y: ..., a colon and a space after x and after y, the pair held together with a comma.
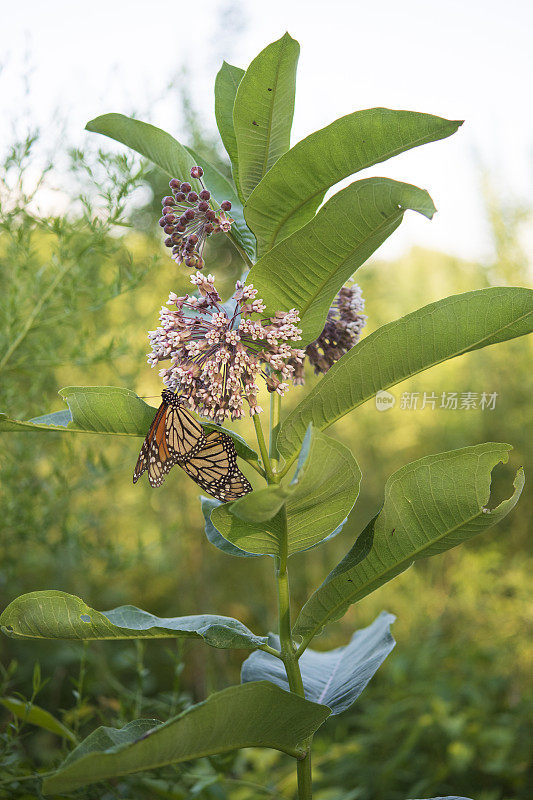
x: 295, y: 310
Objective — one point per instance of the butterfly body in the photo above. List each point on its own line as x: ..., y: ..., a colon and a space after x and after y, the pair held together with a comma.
x: 176, y: 437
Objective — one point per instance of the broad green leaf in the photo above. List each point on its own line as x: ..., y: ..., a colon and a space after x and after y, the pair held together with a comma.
x: 306, y: 270
x: 57, y: 615
x: 262, y: 504
x: 35, y: 715
x: 316, y: 505
x: 405, y: 347
x: 214, y: 536
x: 263, y: 110
x: 334, y: 678
x: 107, y: 409
x: 289, y: 195
x: 226, y: 84
x: 251, y: 715
x: 431, y: 505
x: 173, y: 158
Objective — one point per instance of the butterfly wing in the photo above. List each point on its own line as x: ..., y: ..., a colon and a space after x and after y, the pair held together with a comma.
x: 215, y: 469
x: 155, y: 455
x: 176, y: 437
x: 143, y: 461
x: 184, y: 434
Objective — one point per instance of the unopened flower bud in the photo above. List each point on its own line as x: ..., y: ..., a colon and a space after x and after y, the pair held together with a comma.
x: 210, y: 215
x: 189, y: 214
x: 205, y: 195
x: 196, y: 172
x: 168, y: 201
x: 226, y: 205
x: 192, y: 197
x: 174, y: 183
x: 180, y: 197
x: 203, y: 206
x: 162, y: 222
x: 186, y: 187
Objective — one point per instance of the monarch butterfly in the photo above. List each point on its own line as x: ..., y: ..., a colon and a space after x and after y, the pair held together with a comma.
x: 176, y: 437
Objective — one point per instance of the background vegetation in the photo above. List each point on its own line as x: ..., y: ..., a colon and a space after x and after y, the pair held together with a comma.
x: 451, y: 711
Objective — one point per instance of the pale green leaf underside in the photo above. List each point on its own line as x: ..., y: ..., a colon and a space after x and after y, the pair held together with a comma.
x: 405, y: 347
x: 226, y: 84
x: 263, y: 110
x: 306, y: 270
x: 320, y: 501
x: 176, y: 160
x: 290, y: 193
x: 336, y: 677
x: 106, y: 409
x: 58, y: 615
x: 35, y: 715
x: 430, y: 506
x: 251, y: 715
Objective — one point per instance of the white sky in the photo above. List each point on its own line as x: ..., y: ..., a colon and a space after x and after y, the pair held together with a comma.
x: 471, y: 59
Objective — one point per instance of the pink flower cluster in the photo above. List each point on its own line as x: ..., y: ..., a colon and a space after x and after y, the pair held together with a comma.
x: 216, y: 355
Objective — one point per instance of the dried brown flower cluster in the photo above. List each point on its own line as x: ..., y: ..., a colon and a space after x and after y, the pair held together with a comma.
x: 341, y: 332
x: 216, y: 356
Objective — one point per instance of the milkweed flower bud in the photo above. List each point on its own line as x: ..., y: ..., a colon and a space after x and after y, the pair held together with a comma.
x: 189, y: 219
x: 344, y: 324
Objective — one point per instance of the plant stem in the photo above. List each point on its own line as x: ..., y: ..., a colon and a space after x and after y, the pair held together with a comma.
x: 263, y: 449
x: 287, y: 648
x: 288, y: 655
x: 275, y: 413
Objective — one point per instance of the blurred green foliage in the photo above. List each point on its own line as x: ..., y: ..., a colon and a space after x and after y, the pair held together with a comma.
x: 450, y: 712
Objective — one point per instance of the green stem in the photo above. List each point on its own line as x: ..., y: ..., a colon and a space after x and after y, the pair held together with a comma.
x: 288, y: 654
x: 256, y: 466
x: 275, y: 414
x: 287, y: 648
x: 271, y: 478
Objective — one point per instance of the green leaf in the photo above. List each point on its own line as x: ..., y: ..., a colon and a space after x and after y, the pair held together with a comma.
x: 261, y: 505
x: 107, y: 409
x: 334, y: 678
x: 289, y: 195
x: 226, y: 84
x: 35, y: 715
x: 306, y: 270
x: 173, y: 158
x: 57, y: 615
x: 251, y: 715
x: 263, y: 110
x: 405, y: 347
x: 316, y: 505
x: 214, y: 536
x: 430, y: 506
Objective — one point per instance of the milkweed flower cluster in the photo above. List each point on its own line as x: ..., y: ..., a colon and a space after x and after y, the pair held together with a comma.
x: 216, y: 355
x: 342, y: 331
x: 190, y: 218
